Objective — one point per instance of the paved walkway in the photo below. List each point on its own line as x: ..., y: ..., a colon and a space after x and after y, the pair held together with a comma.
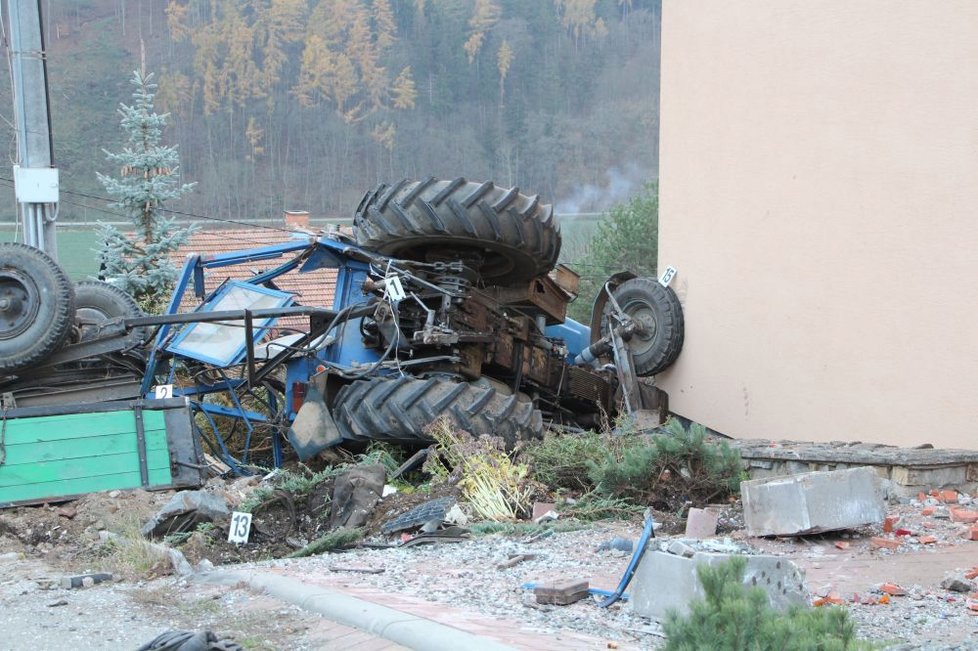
x: 412, y: 621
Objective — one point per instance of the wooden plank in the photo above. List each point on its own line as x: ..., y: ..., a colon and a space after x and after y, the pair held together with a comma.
x: 95, y: 446
x: 48, y: 471
x: 70, y: 454
x: 53, y: 490
x: 72, y: 426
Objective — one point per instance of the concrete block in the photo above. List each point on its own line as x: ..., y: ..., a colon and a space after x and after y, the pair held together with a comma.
x: 665, y: 582
x: 813, y: 502
x: 701, y: 523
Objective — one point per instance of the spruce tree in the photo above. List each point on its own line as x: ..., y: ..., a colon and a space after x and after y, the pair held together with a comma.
x: 148, y: 176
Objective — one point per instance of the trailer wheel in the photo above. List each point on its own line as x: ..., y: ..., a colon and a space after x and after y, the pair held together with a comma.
x: 657, y: 310
x: 37, y: 304
x: 400, y: 409
x: 506, y: 236
x: 97, y: 302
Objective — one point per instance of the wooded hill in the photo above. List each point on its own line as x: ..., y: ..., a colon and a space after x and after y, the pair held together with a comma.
x: 304, y: 104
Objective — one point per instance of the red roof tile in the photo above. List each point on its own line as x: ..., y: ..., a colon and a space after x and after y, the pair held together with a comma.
x: 314, y: 288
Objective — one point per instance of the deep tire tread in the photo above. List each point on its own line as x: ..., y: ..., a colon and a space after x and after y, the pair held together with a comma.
x: 400, y: 409
x: 56, y: 315
x: 515, y: 235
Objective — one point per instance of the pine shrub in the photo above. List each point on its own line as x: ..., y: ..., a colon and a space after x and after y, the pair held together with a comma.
x: 733, y: 617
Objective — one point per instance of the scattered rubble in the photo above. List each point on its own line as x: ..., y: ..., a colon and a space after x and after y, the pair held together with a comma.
x: 184, y: 512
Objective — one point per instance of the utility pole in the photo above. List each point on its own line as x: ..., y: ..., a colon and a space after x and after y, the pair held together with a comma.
x: 35, y: 177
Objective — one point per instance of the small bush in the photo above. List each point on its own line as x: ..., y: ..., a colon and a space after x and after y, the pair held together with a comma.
x: 591, y: 507
x: 733, y: 617
x: 679, y: 465
x: 560, y: 460
x: 494, y: 485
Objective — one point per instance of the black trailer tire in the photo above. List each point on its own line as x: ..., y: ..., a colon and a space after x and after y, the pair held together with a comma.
x: 400, y: 409
x: 97, y: 302
x: 657, y: 308
x: 37, y: 306
x: 515, y: 237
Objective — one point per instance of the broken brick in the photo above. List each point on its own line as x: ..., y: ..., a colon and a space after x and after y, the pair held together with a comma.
x: 928, y: 524
x: 831, y: 598
x: 928, y: 540
x: 963, y: 515
x: 971, y: 574
x: 883, y: 543
x: 972, y: 533
x: 541, y: 509
x: 928, y: 510
x: 890, y: 522
x: 885, y: 599
x: 67, y: 512
x: 948, y: 497
x: 892, y: 589
x: 842, y: 544
x: 903, y: 532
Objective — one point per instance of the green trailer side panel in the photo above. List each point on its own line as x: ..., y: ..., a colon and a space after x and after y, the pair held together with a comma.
x: 72, y: 454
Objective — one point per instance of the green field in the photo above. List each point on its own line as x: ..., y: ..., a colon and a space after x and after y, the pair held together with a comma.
x: 75, y: 251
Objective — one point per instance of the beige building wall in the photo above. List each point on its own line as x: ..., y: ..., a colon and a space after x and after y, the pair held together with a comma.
x: 819, y: 197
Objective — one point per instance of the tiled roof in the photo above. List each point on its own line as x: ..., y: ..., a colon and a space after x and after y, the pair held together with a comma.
x: 314, y: 288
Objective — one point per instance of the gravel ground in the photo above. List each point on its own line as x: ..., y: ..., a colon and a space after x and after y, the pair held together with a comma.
x: 36, y: 613
x: 50, y: 542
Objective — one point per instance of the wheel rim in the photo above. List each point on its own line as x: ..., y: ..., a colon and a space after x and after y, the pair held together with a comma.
x: 642, y: 314
x: 19, y: 303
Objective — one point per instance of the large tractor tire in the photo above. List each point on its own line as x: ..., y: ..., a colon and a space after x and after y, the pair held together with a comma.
x: 37, y: 306
x: 508, y: 236
x: 400, y: 409
x: 97, y: 302
x: 656, y: 308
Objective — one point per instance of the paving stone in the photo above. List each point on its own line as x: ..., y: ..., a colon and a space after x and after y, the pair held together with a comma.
x: 701, y: 523
x: 560, y: 593
x: 666, y: 581
x: 812, y: 502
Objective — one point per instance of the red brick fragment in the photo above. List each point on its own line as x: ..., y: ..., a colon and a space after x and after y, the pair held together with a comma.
x: 972, y: 533
x: 928, y: 540
x: 949, y: 497
x: 963, y: 515
x: 831, y: 598
x: 842, y: 544
x: 903, y: 532
x: 878, y: 542
x: 890, y: 522
x: 892, y: 589
x: 928, y: 524
x: 928, y: 510
x: 971, y: 574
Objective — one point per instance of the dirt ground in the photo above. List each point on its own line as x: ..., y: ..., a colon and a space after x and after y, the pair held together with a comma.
x: 39, y: 545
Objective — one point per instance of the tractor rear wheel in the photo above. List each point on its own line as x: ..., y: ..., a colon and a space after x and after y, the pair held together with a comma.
x: 37, y: 306
x: 506, y: 236
x: 400, y: 409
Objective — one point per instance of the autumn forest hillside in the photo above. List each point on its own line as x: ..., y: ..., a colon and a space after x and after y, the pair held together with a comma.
x: 304, y: 104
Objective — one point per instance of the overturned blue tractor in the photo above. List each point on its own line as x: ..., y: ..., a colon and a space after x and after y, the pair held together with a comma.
x: 448, y: 302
